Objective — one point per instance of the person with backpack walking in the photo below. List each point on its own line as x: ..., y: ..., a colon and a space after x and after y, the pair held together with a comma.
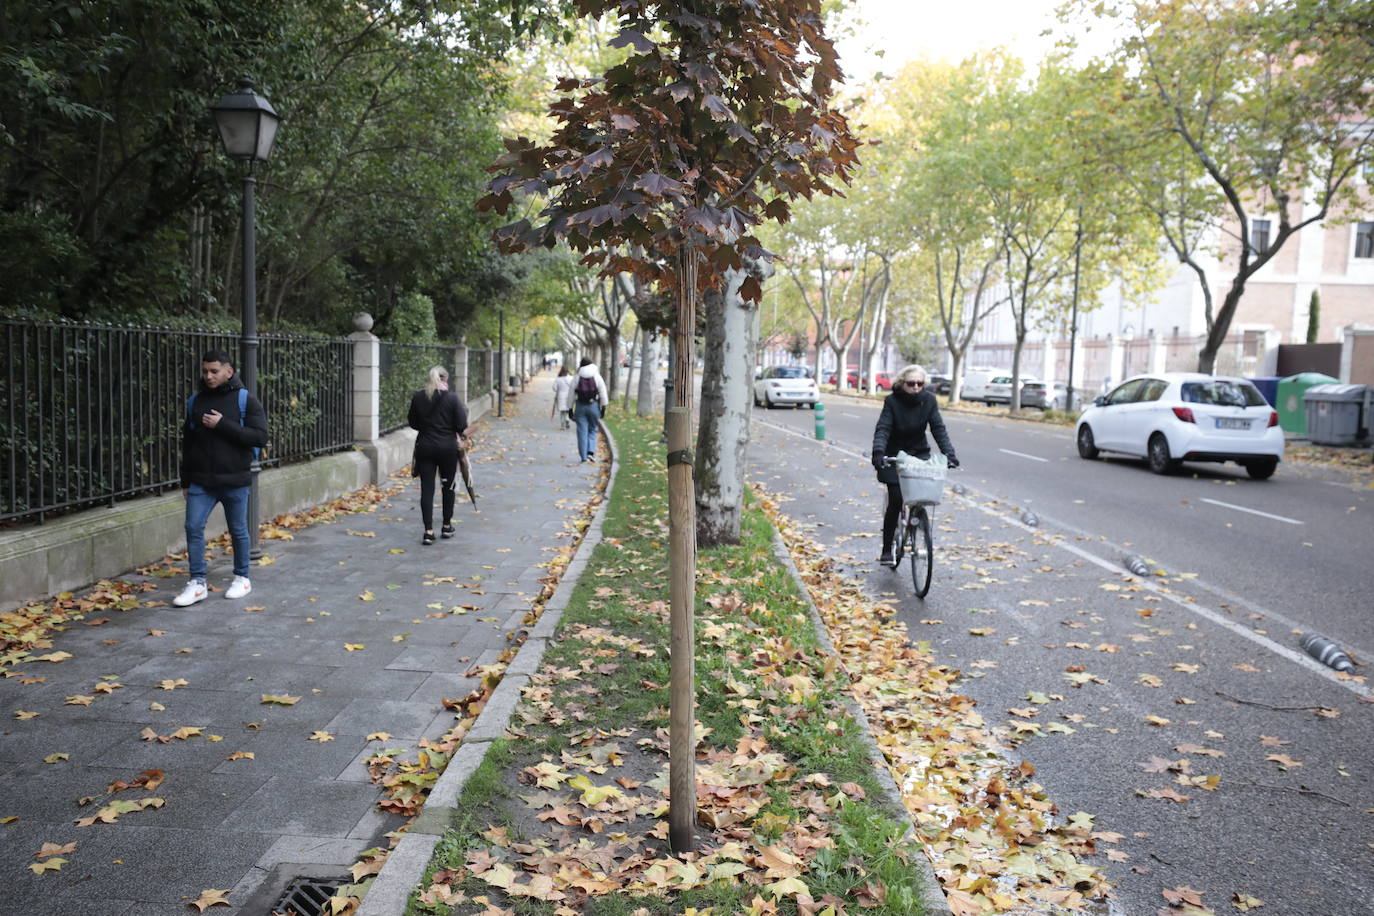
x: 224, y: 429
x: 440, y: 419
x: 589, y: 406
x: 562, y: 397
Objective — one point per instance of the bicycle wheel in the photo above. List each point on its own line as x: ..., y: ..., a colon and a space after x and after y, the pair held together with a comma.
x: 922, y: 556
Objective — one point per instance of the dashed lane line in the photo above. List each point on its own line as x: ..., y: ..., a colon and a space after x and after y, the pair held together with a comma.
x: 1023, y: 455
x: 1277, y: 518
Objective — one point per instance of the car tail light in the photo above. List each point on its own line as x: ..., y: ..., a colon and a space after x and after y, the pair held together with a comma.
x: 1273, y: 418
x: 1185, y: 414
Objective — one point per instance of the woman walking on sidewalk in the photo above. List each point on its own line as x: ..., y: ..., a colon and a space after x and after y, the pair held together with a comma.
x: 440, y: 419
x: 589, y: 406
x: 562, y: 397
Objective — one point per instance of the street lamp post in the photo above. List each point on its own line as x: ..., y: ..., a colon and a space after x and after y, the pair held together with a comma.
x: 247, y: 126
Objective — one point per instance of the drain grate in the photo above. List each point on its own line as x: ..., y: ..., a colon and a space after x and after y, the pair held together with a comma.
x: 307, y: 896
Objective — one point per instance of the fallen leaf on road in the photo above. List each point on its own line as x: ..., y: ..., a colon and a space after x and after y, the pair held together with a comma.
x: 1158, y: 721
x: 354, y: 646
x: 321, y: 736
x: 39, y: 868
x: 280, y: 699
x: 1270, y: 741
x: 80, y: 700
x: 173, y: 684
x: 25, y: 714
x: 1199, y: 749
x: 379, y: 736
x: 209, y: 898
x: 56, y: 758
x: 1165, y: 793
x: 1284, y: 761
x: 241, y: 755
x: 53, y: 849
x: 1245, y: 902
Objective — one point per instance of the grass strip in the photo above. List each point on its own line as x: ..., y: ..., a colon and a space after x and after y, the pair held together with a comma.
x: 568, y: 813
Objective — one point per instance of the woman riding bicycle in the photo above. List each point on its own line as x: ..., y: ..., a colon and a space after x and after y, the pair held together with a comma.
x: 907, y: 411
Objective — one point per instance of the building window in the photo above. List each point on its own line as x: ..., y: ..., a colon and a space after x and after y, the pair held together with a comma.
x: 1259, y: 236
x: 1364, y: 240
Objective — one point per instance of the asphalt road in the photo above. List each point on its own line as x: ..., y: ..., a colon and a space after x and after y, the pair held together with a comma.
x: 1209, y: 648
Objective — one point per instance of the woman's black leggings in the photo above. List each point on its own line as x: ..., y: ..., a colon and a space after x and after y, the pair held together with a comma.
x: 444, y: 462
x: 891, y: 514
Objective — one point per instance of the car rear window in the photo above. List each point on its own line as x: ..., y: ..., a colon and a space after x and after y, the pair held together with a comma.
x: 1223, y: 394
x: 789, y: 372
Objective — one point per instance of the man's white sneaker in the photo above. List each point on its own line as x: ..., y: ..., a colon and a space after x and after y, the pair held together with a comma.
x: 193, y: 592
x: 239, y: 587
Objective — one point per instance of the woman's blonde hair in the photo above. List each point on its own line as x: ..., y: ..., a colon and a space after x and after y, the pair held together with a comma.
x: 915, y: 372
x: 436, y: 375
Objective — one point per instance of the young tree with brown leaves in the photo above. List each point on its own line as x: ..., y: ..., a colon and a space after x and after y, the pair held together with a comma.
x: 718, y: 118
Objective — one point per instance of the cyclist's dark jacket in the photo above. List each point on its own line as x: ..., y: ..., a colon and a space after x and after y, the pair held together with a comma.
x: 902, y: 428
x: 221, y: 458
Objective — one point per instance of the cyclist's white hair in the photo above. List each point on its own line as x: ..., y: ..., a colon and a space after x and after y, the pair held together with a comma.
x: 914, y: 370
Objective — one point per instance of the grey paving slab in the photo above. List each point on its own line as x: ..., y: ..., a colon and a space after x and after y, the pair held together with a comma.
x: 290, y: 804
x: 226, y: 823
x: 403, y: 719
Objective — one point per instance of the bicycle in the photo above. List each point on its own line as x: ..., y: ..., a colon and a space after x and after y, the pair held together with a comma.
x: 913, y: 531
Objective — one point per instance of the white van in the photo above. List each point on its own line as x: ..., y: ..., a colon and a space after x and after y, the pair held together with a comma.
x: 977, y: 382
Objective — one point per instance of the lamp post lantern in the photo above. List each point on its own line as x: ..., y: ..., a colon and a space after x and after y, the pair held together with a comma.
x: 247, y: 125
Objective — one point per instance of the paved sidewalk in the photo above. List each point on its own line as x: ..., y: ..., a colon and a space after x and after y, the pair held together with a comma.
x: 418, y: 618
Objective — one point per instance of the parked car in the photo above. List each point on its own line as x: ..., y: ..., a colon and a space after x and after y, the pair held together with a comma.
x: 998, y: 389
x: 1184, y: 416
x: 779, y: 385
x: 940, y: 384
x: 976, y: 383
x: 882, y: 380
x: 1045, y: 395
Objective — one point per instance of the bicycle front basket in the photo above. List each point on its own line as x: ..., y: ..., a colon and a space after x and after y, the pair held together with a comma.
x: 922, y: 481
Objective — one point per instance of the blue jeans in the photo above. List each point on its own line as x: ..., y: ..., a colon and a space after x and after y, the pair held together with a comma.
x: 200, y: 502
x: 586, y: 416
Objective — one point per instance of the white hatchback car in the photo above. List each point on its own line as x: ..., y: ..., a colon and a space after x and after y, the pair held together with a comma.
x: 785, y: 385
x: 1184, y: 416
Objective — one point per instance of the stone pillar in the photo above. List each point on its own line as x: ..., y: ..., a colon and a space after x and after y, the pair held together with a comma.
x: 460, y: 369
x: 1116, y: 360
x: 367, y: 379
x: 367, y: 391
x: 1159, y: 354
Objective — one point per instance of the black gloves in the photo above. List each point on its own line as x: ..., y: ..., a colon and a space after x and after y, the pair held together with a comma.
x: 878, y: 459
x: 953, y: 462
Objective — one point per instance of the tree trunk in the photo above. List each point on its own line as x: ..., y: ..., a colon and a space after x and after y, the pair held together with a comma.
x: 726, y: 393
x: 648, y: 372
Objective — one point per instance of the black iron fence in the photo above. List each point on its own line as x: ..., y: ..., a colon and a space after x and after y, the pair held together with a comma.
x: 479, y: 373
x: 92, y: 414
x: 404, y: 368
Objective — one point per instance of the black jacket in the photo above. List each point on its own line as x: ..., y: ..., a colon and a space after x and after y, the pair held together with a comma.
x: 220, y: 458
x: 902, y: 428
x: 439, y: 420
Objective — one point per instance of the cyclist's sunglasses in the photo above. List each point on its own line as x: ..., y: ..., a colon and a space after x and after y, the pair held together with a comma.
x: 912, y: 383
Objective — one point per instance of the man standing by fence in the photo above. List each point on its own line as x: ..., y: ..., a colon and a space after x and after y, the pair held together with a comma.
x: 224, y: 428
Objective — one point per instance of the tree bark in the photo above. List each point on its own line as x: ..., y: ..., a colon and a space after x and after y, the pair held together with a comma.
x: 648, y: 371
x: 723, y: 433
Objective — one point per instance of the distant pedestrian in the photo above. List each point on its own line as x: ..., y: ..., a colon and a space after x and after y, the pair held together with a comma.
x: 223, y: 429
x: 440, y: 419
x: 562, y: 397
x: 589, y: 406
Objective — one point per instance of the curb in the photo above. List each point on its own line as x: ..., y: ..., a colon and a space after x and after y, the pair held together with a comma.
x: 405, y: 867
x: 933, y: 900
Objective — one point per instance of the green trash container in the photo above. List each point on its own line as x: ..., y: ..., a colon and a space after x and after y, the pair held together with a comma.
x: 1292, y: 411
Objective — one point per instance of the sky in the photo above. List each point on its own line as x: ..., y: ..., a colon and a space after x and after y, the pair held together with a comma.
x: 952, y: 29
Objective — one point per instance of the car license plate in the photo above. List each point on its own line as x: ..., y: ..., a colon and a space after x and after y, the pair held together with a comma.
x: 1227, y: 423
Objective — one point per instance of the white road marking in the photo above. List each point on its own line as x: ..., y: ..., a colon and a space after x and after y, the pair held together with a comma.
x: 1298, y: 658
x: 1023, y: 455
x: 1277, y: 518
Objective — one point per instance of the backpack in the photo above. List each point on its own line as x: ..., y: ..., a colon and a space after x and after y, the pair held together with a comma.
x: 585, y: 389
x: 243, y: 412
